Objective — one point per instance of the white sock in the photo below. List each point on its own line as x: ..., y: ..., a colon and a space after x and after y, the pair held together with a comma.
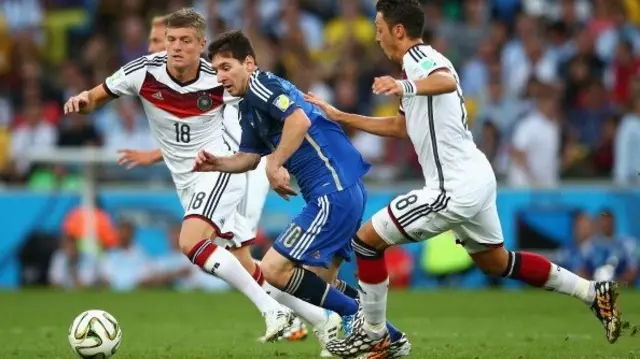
x: 564, y: 281
x: 221, y: 263
x: 373, y: 298
x: 313, y: 314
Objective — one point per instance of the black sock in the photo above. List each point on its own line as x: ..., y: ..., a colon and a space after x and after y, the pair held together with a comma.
x: 348, y: 290
x: 307, y: 286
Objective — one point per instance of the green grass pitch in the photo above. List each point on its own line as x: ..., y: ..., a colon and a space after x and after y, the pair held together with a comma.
x: 448, y: 324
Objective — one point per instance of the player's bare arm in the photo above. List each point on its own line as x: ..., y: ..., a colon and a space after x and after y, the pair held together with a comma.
x: 437, y: 83
x: 391, y: 126
x: 133, y: 158
x: 293, y: 132
x: 295, y: 128
x: 240, y: 162
x: 87, y: 101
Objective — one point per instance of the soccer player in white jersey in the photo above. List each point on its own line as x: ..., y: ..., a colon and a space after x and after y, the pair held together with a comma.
x: 183, y: 102
x: 459, y: 192
x: 250, y: 207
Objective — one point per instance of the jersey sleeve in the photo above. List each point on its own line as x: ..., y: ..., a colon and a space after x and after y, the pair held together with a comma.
x: 268, y: 95
x: 418, y: 65
x: 128, y: 79
x: 249, y: 140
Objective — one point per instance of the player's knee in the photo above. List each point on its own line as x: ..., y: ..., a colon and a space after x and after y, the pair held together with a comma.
x: 492, y: 262
x: 193, y: 231
x: 367, y: 240
x: 277, y: 270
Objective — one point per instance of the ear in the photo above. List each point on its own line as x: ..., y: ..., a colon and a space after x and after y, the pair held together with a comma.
x: 250, y: 63
x: 398, y: 31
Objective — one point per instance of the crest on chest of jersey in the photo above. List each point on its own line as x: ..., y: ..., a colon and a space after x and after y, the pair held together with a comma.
x: 204, y: 102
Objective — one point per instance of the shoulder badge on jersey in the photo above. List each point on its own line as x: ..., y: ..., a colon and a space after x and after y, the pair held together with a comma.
x: 204, y: 102
x: 427, y: 63
x: 282, y: 102
x: 115, y: 79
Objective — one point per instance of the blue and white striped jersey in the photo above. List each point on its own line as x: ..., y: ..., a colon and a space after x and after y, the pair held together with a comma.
x: 325, y: 162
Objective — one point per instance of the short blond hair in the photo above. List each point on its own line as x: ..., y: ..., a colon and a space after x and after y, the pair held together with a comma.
x: 186, y: 17
x: 159, y: 20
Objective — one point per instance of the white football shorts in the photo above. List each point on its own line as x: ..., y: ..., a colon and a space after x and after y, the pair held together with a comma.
x: 255, y: 196
x: 215, y: 198
x: 424, y: 213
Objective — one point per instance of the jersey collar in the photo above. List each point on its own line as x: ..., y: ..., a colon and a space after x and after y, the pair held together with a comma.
x: 183, y: 84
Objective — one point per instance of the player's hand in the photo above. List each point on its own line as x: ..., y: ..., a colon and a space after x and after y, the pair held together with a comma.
x: 206, y: 162
x: 331, y: 112
x: 386, y: 85
x: 77, y: 103
x: 279, y: 180
x: 132, y: 158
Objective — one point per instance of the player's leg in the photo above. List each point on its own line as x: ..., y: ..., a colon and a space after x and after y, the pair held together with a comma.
x: 315, y: 315
x: 251, y: 208
x: 313, y: 239
x: 482, y: 237
x: 214, y: 200
x: 408, y: 218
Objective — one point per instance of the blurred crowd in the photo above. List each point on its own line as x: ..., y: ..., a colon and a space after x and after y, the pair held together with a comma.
x: 599, y: 252
x: 551, y: 86
x: 121, y: 263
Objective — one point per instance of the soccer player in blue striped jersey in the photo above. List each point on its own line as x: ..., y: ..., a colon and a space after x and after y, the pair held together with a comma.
x: 298, y: 139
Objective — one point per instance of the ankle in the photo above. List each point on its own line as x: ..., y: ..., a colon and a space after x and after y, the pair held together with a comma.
x: 376, y: 331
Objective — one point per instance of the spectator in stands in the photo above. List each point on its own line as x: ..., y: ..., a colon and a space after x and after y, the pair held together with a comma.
x: 608, y: 248
x: 503, y: 111
x: 536, y: 145
x: 474, y: 74
x: 582, y: 68
x: 74, y: 226
x: 627, y: 148
x: 78, y: 131
x: 602, y: 156
x: 588, y: 117
x: 489, y: 140
x: 621, y: 31
x: 513, y: 54
x: 131, y: 132
x: 134, y: 41
x: 570, y: 256
x: 466, y: 36
x: 621, y: 72
x: 69, y: 268
x: 127, y: 266
x: 172, y: 269
x: 34, y: 135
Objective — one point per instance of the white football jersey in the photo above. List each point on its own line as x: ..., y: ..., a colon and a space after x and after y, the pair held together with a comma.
x: 437, y: 127
x: 184, y: 117
x: 232, y: 130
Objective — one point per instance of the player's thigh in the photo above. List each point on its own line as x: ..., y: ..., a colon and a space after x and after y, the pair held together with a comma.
x: 254, y: 199
x: 413, y: 217
x: 213, y: 200
x: 324, y: 228
x: 483, y: 230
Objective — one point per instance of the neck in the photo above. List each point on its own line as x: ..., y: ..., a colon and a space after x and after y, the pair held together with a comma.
x: 406, y: 45
x: 246, y: 84
x: 184, y: 75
